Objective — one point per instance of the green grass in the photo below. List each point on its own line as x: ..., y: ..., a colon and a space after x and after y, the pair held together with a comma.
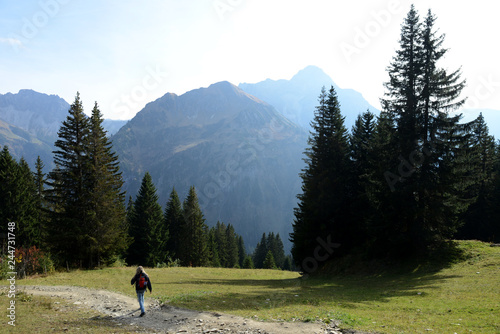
x: 461, y: 297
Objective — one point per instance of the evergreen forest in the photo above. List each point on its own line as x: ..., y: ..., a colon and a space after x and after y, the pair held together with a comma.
x: 406, y: 182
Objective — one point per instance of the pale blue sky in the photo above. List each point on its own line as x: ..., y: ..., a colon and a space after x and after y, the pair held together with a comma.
x: 127, y: 53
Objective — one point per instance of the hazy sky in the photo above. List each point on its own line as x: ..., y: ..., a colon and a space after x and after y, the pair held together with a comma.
x: 126, y: 53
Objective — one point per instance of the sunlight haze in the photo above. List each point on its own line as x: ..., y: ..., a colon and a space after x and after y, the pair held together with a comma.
x: 123, y: 54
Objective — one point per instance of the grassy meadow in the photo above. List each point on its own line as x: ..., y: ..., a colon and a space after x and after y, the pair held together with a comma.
x: 460, y: 297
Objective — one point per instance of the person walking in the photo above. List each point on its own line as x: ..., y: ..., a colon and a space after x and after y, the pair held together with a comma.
x: 142, y: 282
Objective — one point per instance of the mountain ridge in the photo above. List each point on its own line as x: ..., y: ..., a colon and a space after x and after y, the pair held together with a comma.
x: 242, y: 156
x: 297, y: 98
x: 30, y: 122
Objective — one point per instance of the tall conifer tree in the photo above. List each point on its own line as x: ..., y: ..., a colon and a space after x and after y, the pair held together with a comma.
x: 213, y: 249
x: 108, y: 234
x: 8, y: 180
x: 480, y: 221
x: 28, y: 233
x: 174, y: 224
x: 363, y: 159
x: 18, y: 200
x: 194, y: 240
x: 242, y: 254
x: 41, y: 203
x: 232, y: 247
x: 146, y: 227
x: 87, y: 220
x: 220, y: 239
x: 260, y: 252
x: 69, y: 194
x: 323, y: 209
x: 431, y: 175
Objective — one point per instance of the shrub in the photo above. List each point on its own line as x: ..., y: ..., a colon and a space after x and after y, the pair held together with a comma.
x: 119, y: 262
x: 31, y: 261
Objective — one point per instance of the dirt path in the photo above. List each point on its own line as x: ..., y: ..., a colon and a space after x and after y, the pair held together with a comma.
x: 167, y: 319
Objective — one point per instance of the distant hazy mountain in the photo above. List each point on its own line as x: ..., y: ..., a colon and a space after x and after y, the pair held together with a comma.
x: 23, y: 144
x: 242, y: 156
x: 112, y: 125
x: 29, y: 122
x: 39, y: 114
x: 298, y: 97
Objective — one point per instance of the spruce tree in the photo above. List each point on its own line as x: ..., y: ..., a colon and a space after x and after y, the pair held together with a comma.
x: 275, y: 245
x: 220, y: 239
x: 213, y: 249
x: 495, y: 203
x: 363, y: 159
x: 232, y: 247
x: 146, y: 227
x: 242, y: 254
x: 194, y: 240
x: 288, y: 265
x: 381, y: 230
x: 107, y: 200
x: 361, y: 146
x: 41, y: 203
x: 260, y: 252
x: 323, y: 208
x: 8, y: 181
x: 443, y: 147
x: 479, y: 220
x: 87, y: 225
x: 174, y: 224
x: 70, y: 223
x: 269, y: 261
x: 129, y: 213
x: 18, y: 200
x: 28, y: 233
x: 248, y: 263
x: 431, y: 175
x: 402, y: 89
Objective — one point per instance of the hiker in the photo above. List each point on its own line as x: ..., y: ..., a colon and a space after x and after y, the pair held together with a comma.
x: 142, y: 282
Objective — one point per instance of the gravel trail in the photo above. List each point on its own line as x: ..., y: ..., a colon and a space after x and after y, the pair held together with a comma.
x: 167, y: 319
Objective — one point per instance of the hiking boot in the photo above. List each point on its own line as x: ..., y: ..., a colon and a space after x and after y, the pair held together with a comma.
x: 142, y: 314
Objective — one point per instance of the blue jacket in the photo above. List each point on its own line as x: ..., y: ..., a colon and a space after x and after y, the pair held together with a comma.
x: 135, y: 280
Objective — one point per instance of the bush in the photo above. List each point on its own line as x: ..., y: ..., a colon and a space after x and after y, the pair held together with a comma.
x: 31, y: 261
x: 170, y: 263
x: 119, y: 262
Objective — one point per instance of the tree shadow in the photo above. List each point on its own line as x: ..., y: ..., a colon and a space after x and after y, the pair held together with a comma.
x: 349, y: 291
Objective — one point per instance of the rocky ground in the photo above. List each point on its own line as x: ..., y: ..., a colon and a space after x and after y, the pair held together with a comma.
x: 167, y: 319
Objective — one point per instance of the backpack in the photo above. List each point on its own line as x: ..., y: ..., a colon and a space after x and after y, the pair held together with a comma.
x: 142, y: 283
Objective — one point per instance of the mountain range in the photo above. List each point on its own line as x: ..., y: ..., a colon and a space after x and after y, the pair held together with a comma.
x: 242, y: 156
x: 29, y: 122
x: 297, y: 98
x: 240, y: 146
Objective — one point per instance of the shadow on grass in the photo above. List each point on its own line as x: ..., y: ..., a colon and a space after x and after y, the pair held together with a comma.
x: 365, y: 282
x: 346, y: 291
